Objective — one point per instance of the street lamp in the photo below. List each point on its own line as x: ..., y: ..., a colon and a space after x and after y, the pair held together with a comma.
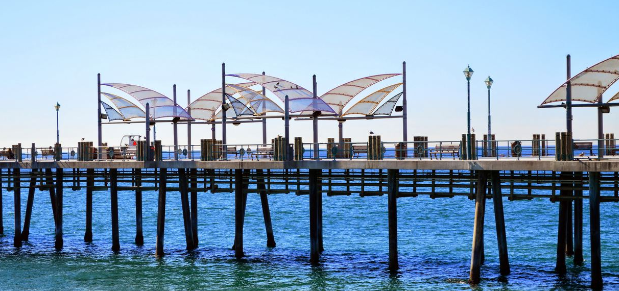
x: 468, y: 73
x: 489, y: 82
x: 57, y: 106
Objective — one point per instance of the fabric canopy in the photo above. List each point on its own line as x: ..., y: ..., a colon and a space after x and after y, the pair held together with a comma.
x: 205, y: 107
x: 255, y: 101
x: 590, y: 84
x: 387, y: 107
x: 366, y: 105
x: 339, y: 96
x: 126, y: 107
x: 279, y: 87
x: 161, y: 105
x: 112, y: 114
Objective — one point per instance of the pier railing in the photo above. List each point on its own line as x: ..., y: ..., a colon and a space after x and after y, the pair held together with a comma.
x: 540, y: 149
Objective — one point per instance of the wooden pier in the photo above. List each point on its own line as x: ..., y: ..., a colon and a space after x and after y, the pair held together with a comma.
x: 481, y: 180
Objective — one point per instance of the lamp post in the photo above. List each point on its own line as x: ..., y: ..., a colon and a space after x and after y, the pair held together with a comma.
x: 57, y: 106
x: 468, y: 73
x: 489, y: 82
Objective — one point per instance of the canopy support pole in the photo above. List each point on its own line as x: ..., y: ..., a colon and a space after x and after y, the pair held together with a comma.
x: 189, y: 155
x: 404, y: 110
x: 315, y: 121
x: 264, y: 121
x: 99, y: 134
x: 174, y: 123
x: 223, y: 112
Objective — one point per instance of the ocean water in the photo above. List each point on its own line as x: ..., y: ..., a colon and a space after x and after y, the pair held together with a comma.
x: 434, y: 236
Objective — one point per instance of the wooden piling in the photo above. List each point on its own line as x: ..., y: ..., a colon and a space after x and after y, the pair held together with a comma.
x: 500, y: 223
x: 90, y: 183
x: 266, y: 213
x: 578, y: 259
x: 59, y: 197
x: 594, y: 219
x: 52, y: 190
x: 313, y: 216
x: 26, y: 229
x: 562, y: 228
x: 194, y: 206
x: 478, y: 229
x: 17, y: 203
x: 1, y: 213
x: 319, y: 210
x: 139, y: 235
x: 182, y: 183
x: 114, y: 210
x: 163, y: 173
x: 239, y: 209
x: 393, y: 189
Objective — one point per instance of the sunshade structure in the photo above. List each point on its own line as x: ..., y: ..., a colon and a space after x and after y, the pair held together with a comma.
x: 590, y: 84
x: 161, y: 105
x: 339, y: 96
x: 126, y: 108
x: 112, y: 114
x: 387, y: 107
x: 300, y: 99
x: 367, y: 105
x: 256, y: 102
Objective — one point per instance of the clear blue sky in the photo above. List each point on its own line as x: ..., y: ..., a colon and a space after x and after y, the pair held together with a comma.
x: 52, y: 51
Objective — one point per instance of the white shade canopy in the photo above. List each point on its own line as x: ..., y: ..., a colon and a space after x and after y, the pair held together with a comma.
x: 366, y: 105
x: 204, y: 108
x: 339, y: 96
x: 279, y: 87
x: 590, y: 84
x: 161, y: 105
x: 125, y: 107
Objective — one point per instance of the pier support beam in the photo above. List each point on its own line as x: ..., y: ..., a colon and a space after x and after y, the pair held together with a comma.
x: 194, y: 206
x: 562, y: 228
x: 578, y: 259
x: 90, y: 184
x: 1, y: 213
x: 478, y: 229
x: 393, y: 190
x: 182, y: 184
x: 499, y: 218
x: 240, y: 197
x: 33, y: 182
x: 266, y: 213
x: 139, y: 234
x: 17, y: 203
x: 163, y: 178
x: 59, y: 197
x: 313, y: 209
x: 52, y: 190
x: 594, y: 219
x: 319, y: 209
x: 114, y: 210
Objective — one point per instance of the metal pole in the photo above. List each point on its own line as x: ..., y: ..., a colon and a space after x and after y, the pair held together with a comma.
x: 568, y: 104
x: 57, y: 129
x: 213, y: 131
x: 99, y: 134
x: 286, y: 126
x: 147, y: 147
x: 223, y: 112
x: 404, y: 107
x: 315, y: 121
x: 468, y: 120
x: 264, y: 121
x: 600, y: 130
x: 341, y: 137
x: 175, y: 125
x: 489, y: 147
x: 189, y: 155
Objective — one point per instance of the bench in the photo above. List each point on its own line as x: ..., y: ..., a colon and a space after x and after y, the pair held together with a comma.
x: 584, y: 146
x: 5, y: 155
x: 359, y: 149
x: 262, y: 151
x: 229, y: 151
x: 452, y: 149
x: 47, y: 152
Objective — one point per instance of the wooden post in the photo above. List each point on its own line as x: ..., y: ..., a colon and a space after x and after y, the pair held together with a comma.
x: 319, y: 209
x: 562, y: 232
x: 194, y: 206
x: 17, y: 203
x: 1, y: 214
x: 163, y: 173
x: 578, y: 259
x: 139, y: 235
x: 114, y: 210
x: 594, y: 219
x: 393, y: 190
x: 182, y: 183
x: 33, y: 181
x: 500, y: 223
x: 90, y: 183
x: 313, y: 216
x: 239, y: 209
x: 59, y: 188
x: 478, y: 229
x: 52, y: 190
x: 266, y: 213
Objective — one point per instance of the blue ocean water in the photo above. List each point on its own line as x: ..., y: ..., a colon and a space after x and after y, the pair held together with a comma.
x: 434, y: 237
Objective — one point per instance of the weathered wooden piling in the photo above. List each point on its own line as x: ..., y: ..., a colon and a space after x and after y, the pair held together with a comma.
x: 562, y: 227
x: 114, y: 210
x: 139, y: 235
x: 319, y: 214
x: 393, y: 189
x: 478, y: 229
x: 26, y: 230
x: 90, y: 184
x: 49, y: 181
x: 594, y: 220
x: 1, y: 213
x: 497, y: 198
x: 578, y: 259
x: 59, y: 197
x: 266, y: 213
x: 17, y: 199
x: 194, y: 206
x: 313, y: 216
x: 183, y: 186
x: 163, y: 179
x: 239, y: 213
